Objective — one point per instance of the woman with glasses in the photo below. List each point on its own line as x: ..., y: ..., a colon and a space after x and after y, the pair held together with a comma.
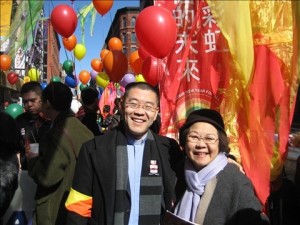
x: 216, y: 192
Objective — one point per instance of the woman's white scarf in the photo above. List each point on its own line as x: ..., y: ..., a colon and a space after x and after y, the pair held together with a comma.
x: 196, y: 182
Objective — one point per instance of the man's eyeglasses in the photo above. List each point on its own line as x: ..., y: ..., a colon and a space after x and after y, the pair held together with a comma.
x: 208, y: 139
x: 147, y: 108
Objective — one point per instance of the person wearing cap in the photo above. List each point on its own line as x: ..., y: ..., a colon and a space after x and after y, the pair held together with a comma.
x: 216, y: 192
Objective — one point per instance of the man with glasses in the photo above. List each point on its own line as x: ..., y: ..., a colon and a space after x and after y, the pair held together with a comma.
x: 32, y: 123
x: 127, y: 175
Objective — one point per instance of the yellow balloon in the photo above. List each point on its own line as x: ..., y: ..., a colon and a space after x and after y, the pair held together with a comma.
x: 102, y: 79
x: 79, y: 51
x: 140, y: 78
x: 26, y: 79
x: 34, y: 74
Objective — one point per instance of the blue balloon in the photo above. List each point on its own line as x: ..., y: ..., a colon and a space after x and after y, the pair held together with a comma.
x: 44, y: 85
x: 71, y: 81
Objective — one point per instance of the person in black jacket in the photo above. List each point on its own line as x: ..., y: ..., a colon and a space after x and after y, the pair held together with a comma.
x: 127, y: 175
x: 10, y: 142
x: 89, y: 98
x: 32, y: 123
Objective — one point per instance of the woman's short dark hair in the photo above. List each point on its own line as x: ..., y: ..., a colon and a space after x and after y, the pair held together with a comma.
x: 59, y: 95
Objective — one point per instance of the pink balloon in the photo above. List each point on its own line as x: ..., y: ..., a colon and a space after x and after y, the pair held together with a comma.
x: 156, y: 30
x: 64, y: 20
x: 127, y: 79
x: 93, y: 74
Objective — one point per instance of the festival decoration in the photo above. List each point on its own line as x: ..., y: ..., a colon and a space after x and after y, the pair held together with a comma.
x: 5, y: 62
x: 150, y: 70
x: 82, y: 87
x: 64, y: 20
x: 127, y: 79
x: 135, y: 62
x: 103, y: 6
x: 93, y: 74
x: 102, y: 80
x: 115, y: 43
x: 71, y: 81
x: 103, y: 53
x: 44, y: 85
x: 12, y: 78
x: 115, y: 64
x: 79, y: 51
x: 97, y: 64
x: 33, y: 74
x: 70, y: 42
x: 55, y: 79
x: 26, y: 79
x: 143, y: 52
x: 84, y: 76
x: 68, y: 66
x: 140, y: 78
x: 14, y: 110
x: 156, y: 30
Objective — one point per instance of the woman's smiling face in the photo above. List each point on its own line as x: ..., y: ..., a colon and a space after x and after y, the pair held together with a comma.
x: 202, y: 144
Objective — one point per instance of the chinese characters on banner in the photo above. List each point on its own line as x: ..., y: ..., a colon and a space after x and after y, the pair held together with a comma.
x: 196, y: 72
x: 243, y: 64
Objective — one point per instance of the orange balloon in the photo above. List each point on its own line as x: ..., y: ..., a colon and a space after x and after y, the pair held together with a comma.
x: 5, y: 62
x: 97, y: 65
x: 103, y: 6
x: 84, y: 76
x: 103, y: 53
x: 115, y: 65
x: 70, y: 42
x: 115, y: 44
x: 135, y: 62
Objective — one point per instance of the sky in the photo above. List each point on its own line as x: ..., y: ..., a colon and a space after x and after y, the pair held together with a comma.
x: 93, y: 43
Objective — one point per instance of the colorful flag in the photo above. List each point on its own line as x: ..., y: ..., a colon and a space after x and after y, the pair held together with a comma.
x: 243, y: 64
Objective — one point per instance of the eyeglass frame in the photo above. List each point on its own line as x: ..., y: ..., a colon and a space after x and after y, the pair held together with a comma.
x: 147, y: 108
x: 213, y: 139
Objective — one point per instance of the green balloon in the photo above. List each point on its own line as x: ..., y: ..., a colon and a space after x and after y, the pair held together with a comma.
x: 14, y: 110
x: 55, y: 79
x: 82, y: 86
x: 68, y: 67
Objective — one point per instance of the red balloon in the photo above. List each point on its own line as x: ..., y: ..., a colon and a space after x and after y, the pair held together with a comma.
x: 115, y: 64
x: 156, y: 30
x: 150, y: 70
x: 64, y: 20
x: 143, y: 52
x: 12, y: 78
x: 103, y: 6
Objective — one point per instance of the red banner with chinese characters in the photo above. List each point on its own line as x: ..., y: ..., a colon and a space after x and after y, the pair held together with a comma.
x: 244, y: 64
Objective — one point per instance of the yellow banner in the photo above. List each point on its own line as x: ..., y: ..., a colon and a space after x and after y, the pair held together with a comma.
x: 5, y: 14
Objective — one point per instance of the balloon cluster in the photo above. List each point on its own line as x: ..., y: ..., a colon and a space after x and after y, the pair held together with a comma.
x: 156, y: 32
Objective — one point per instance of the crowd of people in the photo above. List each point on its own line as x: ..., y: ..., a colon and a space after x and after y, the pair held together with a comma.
x: 98, y: 167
